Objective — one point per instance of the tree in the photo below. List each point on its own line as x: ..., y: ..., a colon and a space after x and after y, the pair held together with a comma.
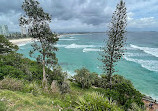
x: 124, y: 93
x: 37, y: 22
x: 84, y: 78
x: 6, y: 46
x: 114, y: 48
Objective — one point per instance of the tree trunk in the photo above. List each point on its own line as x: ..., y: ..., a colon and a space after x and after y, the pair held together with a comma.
x: 44, y: 81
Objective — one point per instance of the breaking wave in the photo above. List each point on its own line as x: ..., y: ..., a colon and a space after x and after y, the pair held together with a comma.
x: 59, y: 45
x: 135, y: 54
x: 78, y: 46
x: 91, y: 50
x: 151, y: 65
x: 148, y: 50
x: 68, y: 39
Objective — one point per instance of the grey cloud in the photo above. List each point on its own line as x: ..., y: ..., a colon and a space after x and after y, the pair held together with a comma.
x: 89, y: 13
x: 10, y: 5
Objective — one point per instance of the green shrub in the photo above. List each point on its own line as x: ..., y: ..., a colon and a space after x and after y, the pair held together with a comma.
x: 6, y: 46
x: 124, y: 92
x: 57, y: 74
x: 3, y: 107
x: 64, y: 87
x: 33, y: 87
x: 95, y: 102
x: 84, y: 78
x: 16, y: 66
x: 11, y: 84
x: 96, y: 79
x: 135, y: 107
x: 10, y: 71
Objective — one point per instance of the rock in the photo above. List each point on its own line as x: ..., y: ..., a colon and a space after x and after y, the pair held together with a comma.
x: 54, y: 87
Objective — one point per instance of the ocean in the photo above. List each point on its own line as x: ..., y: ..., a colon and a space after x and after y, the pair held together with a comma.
x: 140, y: 63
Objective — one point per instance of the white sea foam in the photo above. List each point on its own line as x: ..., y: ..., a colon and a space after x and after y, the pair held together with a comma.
x: 67, y: 39
x: 91, y: 50
x: 130, y: 48
x: 135, y: 54
x: 72, y: 37
x: 23, y: 43
x: 59, y: 45
x: 78, y: 46
x: 152, y: 51
x: 151, y: 65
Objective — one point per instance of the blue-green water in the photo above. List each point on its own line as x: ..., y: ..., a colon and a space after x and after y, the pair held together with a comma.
x: 140, y: 63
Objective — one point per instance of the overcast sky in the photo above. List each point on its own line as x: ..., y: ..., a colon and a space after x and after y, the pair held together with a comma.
x: 85, y: 15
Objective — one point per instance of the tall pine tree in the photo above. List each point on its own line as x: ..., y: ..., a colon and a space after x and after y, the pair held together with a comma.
x: 114, y: 48
x: 37, y: 22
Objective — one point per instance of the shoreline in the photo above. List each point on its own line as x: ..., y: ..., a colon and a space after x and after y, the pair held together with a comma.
x: 21, y: 41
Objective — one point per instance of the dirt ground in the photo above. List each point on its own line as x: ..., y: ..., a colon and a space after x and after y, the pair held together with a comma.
x: 154, y: 107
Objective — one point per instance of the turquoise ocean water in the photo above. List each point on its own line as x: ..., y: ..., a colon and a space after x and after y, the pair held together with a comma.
x: 140, y: 63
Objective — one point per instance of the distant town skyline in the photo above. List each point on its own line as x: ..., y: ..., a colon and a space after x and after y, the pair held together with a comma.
x: 84, y: 15
x: 4, y: 30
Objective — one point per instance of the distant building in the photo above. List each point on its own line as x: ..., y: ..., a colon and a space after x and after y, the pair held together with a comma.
x: 23, y: 30
x: 4, y: 30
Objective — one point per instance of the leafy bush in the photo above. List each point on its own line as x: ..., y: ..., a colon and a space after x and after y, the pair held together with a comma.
x: 95, y: 102
x: 16, y: 66
x: 11, y: 84
x: 2, y: 106
x: 84, y: 78
x: 64, y: 87
x: 135, y: 107
x: 20, y: 85
x: 32, y: 87
x: 96, y: 79
x: 124, y: 92
x: 6, y: 46
x: 57, y: 74
x: 10, y: 71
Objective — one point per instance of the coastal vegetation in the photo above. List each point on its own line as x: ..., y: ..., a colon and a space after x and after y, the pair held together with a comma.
x: 6, y: 46
x: 42, y: 85
x: 114, y: 48
x: 38, y: 22
x: 21, y: 78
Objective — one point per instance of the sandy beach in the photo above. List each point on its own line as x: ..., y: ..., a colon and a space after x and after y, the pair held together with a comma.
x: 21, y: 41
x: 25, y: 40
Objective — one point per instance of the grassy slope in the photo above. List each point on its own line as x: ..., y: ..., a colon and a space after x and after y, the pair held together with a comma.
x: 25, y: 101
x: 19, y: 101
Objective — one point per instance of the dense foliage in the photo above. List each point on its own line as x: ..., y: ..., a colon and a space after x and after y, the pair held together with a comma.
x: 95, y: 102
x: 6, y: 46
x: 84, y: 78
x: 114, y: 47
x: 121, y: 89
x: 124, y: 92
x: 57, y: 74
x: 14, y: 65
x: 37, y: 22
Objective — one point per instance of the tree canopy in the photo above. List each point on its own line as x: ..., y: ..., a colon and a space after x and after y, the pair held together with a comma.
x: 37, y: 22
x: 114, y: 48
x: 6, y: 46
